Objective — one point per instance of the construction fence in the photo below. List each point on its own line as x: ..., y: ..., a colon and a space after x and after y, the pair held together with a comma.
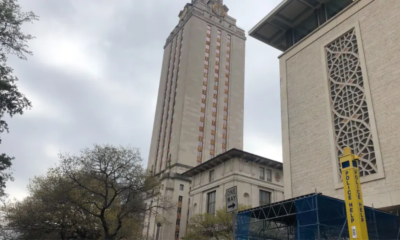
x: 312, y: 216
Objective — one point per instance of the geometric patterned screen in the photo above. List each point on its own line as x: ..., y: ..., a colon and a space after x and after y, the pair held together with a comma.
x: 348, y: 101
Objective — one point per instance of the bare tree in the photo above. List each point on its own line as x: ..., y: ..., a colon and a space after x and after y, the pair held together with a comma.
x: 110, y: 181
x: 46, y: 213
x: 98, y: 194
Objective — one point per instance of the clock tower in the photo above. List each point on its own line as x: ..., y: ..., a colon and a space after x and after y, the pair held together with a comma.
x: 199, y: 111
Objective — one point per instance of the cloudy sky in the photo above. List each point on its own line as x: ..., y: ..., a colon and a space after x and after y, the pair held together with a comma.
x: 94, y: 78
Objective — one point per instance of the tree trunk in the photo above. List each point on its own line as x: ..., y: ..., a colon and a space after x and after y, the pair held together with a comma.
x: 107, y: 235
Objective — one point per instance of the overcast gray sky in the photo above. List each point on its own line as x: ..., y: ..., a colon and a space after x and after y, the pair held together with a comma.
x: 94, y: 78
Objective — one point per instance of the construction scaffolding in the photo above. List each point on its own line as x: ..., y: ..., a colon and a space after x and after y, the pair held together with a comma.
x: 312, y: 216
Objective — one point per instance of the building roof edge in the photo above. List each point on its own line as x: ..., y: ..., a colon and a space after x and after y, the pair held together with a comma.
x: 232, y: 153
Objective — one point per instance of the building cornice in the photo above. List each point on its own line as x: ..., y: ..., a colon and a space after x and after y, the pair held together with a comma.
x: 170, y: 175
x: 236, y: 177
x: 172, y: 166
x: 230, y: 154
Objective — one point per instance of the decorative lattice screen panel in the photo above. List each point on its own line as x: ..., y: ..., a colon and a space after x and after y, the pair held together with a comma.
x: 348, y: 103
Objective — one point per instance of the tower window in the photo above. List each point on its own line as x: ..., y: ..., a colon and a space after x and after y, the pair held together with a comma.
x: 262, y: 173
x: 211, y: 176
x: 265, y: 197
x: 269, y: 175
x: 211, y: 202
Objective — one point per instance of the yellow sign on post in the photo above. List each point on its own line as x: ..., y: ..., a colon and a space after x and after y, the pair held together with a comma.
x: 356, y: 220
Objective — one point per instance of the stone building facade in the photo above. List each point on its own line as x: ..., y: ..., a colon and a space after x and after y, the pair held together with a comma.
x: 339, y: 87
x: 259, y: 181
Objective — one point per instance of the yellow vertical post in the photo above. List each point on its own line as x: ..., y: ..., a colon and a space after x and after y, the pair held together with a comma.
x: 356, y: 220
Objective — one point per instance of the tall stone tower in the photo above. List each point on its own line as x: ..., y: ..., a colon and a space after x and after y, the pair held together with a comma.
x: 199, y: 111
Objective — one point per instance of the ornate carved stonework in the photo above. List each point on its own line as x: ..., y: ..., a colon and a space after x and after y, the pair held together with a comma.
x: 277, y: 177
x: 349, y: 108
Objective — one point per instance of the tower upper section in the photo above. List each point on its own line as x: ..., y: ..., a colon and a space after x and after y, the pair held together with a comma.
x: 211, y: 11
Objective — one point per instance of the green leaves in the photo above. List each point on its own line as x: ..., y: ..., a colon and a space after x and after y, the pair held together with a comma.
x: 207, y: 226
x: 12, y: 41
x: 5, y: 163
